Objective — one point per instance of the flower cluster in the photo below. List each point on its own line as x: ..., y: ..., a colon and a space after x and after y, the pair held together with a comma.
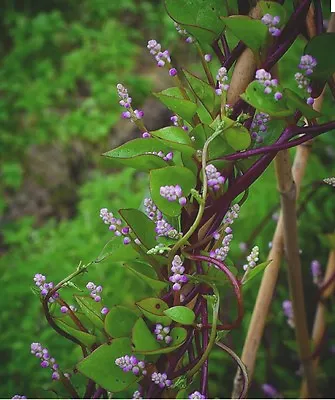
x: 252, y: 258
x: 95, y: 291
x: 183, y: 32
x: 288, y: 312
x: 125, y: 102
x: 307, y: 65
x: 162, y: 57
x: 115, y: 226
x: 222, y: 77
x: 272, y: 22
x: 232, y: 214
x: 163, y: 228
x: 259, y: 126
x: 177, y: 121
x: 222, y: 252
x: 131, y: 363
x: 173, y: 193
x: 330, y: 181
x: 40, y: 282
x: 17, y: 396
x: 270, y: 391
x: 162, y: 333
x: 214, y: 179
x: 165, y: 157
x: 46, y: 360
x: 151, y: 210
x: 265, y: 79
x: 316, y: 272
x: 161, y: 379
x: 178, y: 277
x: 196, y: 395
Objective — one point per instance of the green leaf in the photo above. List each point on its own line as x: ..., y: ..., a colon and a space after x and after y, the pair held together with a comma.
x: 251, y: 31
x: 254, y: 272
x: 136, y: 154
x: 170, y: 176
x: 182, y: 394
x: 175, y: 138
x: 295, y: 102
x: 237, y: 137
x: 322, y: 47
x: 143, y: 339
x: 184, y: 108
x: 116, y: 248
x: 178, y: 335
x: 119, y: 321
x: 101, y: 368
x: 255, y: 96
x: 145, y: 272
x: 200, y: 18
x: 91, y: 309
x: 153, y: 309
x: 85, y: 338
x: 181, y: 314
x: 202, y: 90
x: 143, y: 227
x: 273, y: 8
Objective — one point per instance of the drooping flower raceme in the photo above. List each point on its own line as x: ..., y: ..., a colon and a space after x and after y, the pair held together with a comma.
x: 232, y: 214
x: 177, y: 278
x: 173, y: 193
x: 265, y: 79
x: 222, y: 78
x: 95, y: 291
x: 131, y: 363
x: 214, y: 179
x: 162, y: 57
x: 162, y: 333
x: 183, y: 32
x: 306, y: 65
x: 288, y: 312
x: 151, y: 210
x: 272, y: 22
x: 115, y: 225
x: 178, y: 121
x: 46, y: 360
x: 196, y: 395
x: 161, y: 379
x: 222, y: 252
x: 259, y: 126
x: 163, y: 228
x: 125, y: 102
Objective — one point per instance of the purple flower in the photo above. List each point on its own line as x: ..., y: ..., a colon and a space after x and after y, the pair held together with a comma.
x: 214, y: 179
x: 163, y: 228
x: 104, y: 311
x: 43, y: 355
x: 64, y: 309
x: 126, y: 240
x: 161, y: 379
x: 278, y: 96
x: 178, y: 277
x: 196, y: 395
x: 307, y: 64
x: 270, y: 391
x: 316, y: 272
x: 137, y: 395
x: 131, y: 363
x: 17, y: 396
x: 183, y: 32
x: 173, y: 193
x: 288, y: 312
x: 208, y: 57
x: 94, y: 290
x: 173, y: 72
x: 271, y: 22
x: 162, y: 57
x: 146, y: 135
x: 151, y: 210
x: 265, y: 79
x: 162, y: 333
x: 222, y: 77
x: 45, y: 287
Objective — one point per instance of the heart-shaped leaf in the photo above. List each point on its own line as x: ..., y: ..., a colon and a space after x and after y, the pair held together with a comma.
x: 137, y: 154
x: 251, y: 32
x: 178, y: 335
x: 143, y: 227
x: 237, y: 137
x: 143, y: 340
x: 153, y: 309
x: 170, y: 176
x: 119, y: 321
x: 181, y: 314
x: 255, y: 96
x: 85, y: 338
x: 175, y: 138
x: 91, y: 309
x: 101, y: 368
x: 144, y: 272
x: 321, y: 47
x: 200, y: 18
x: 183, y: 107
x: 202, y: 90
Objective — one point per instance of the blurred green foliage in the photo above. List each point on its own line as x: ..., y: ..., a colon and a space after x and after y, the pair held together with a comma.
x: 60, y: 65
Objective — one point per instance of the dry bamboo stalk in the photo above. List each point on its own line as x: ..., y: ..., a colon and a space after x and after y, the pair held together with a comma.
x: 287, y: 190
x: 319, y: 326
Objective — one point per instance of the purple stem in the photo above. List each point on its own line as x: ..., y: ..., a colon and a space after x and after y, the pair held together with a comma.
x: 218, y: 52
x: 204, y: 368
x: 225, y: 45
x: 98, y: 393
x: 318, y: 17
x: 234, y: 55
